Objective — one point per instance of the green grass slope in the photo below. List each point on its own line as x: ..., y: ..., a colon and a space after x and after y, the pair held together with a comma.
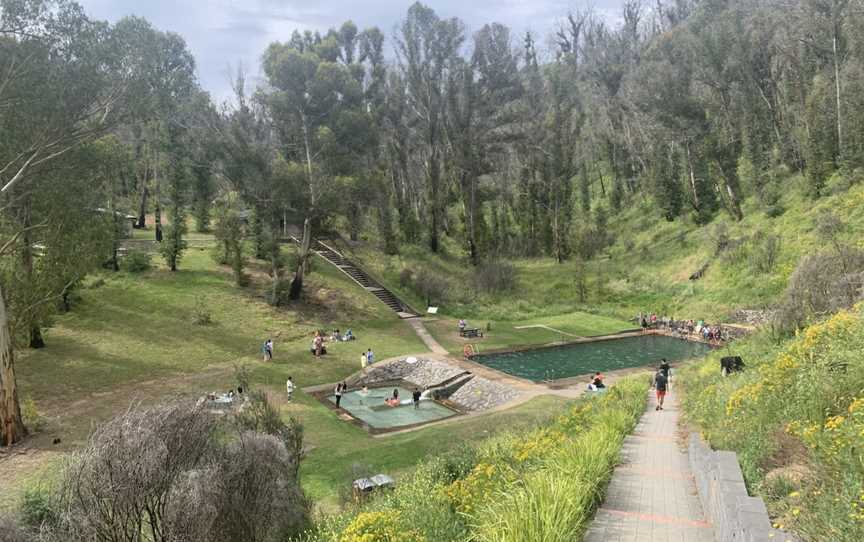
x: 796, y: 418
x: 646, y: 269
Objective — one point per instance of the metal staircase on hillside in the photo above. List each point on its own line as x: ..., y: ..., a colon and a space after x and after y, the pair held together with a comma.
x: 360, y: 277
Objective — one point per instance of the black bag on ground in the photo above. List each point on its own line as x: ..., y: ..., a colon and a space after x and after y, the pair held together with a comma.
x: 731, y: 364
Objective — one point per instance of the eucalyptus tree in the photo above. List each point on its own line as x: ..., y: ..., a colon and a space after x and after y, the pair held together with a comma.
x: 480, y: 119
x: 427, y: 48
x: 260, y: 179
x: 314, y: 103
x: 64, y: 81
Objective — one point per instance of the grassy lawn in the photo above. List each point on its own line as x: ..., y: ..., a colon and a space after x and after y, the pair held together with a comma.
x: 504, y: 334
x: 132, y: 337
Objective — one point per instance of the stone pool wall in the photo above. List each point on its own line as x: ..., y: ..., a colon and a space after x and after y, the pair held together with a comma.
x: 476, y: 394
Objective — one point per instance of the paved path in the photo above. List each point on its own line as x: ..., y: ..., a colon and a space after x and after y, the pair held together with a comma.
x: 426, y: 337
x: 652, y: 496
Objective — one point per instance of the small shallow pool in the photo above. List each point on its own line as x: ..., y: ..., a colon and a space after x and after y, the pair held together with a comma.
x: 371, y: 408
x: 580, y: 359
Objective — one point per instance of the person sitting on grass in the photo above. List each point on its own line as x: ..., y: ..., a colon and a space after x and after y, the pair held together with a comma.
x: 348, y: 336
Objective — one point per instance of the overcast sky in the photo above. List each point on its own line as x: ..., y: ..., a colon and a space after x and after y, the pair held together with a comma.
x: 223, y: 34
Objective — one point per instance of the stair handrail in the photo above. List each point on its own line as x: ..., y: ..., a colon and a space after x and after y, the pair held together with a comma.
x: 331, y: 249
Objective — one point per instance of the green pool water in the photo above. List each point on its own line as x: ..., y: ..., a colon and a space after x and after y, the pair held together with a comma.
x: 371, y: 408
x: 585, y: 358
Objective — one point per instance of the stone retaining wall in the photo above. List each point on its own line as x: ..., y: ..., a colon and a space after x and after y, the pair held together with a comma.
x: 477, y: 394
x: 423, y: 372
x: 736, y: 515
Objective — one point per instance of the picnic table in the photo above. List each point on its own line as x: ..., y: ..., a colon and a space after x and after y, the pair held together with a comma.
x: 470, y: 333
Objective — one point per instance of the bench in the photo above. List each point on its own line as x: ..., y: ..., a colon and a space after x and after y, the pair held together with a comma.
x: 470, y: 333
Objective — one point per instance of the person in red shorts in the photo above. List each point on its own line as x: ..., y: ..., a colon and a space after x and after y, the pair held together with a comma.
x: 661, y: 381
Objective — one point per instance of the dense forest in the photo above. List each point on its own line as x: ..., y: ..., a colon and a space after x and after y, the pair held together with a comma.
x: 511, y: 145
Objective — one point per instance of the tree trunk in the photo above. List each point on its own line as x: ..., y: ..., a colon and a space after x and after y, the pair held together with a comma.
x: 469, y: 190
x: 11, y: 423
x: 434, y: 177
x: 839, y: 116
x: 142, y: 208
x: 158, y: 210
x: 297, y: 281
x: 34, y: 333
x: 306, y: 242
x: 692, y: 178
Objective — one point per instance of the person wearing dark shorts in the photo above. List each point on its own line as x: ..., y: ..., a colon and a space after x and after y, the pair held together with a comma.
x: 667, y: 370
x: 660, y: 385
x: 416, y: 397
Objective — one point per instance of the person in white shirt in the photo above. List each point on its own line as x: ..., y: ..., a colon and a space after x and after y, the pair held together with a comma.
x: 289, y: 386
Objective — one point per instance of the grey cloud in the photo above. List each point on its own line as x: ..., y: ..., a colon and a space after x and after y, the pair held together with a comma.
x: 228, y: 33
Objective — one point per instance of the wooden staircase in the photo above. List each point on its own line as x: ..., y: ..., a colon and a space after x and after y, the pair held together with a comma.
x: 360, y: 277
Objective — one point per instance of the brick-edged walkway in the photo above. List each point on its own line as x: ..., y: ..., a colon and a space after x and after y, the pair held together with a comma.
x: 652, y: 496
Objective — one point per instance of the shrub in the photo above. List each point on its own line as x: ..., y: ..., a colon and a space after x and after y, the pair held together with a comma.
x: 495, y: 277
x: 33, y: 419
x: 10, y: 531
x: 379, y: 527
x: 136, y: 261
x: 432, y: 287
x: 764, y: 250
x: 170, y: 469
x: 821, y: 283
x: 37, y: 510
x: 201, y: 315
x: 406, y: 277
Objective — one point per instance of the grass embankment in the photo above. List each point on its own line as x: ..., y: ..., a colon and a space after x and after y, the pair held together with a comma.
x: 539, y: 485
x: 796, y: 418
x: 133, y: 337
x: 647, y: 267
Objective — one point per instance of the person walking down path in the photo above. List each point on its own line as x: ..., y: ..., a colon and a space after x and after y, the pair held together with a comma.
x: 652, y: 495
x: 661, y: 382
x: 267, y: 349
x: 289, y: 386
x: 364, y: 361
x: 667, y: 370
x: 370, y: 357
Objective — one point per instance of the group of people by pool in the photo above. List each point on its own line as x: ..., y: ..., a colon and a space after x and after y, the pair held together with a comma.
x: 712, y: 333
x: 416, y: 397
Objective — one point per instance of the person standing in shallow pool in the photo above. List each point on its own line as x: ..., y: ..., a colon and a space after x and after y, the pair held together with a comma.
x: 338, y: 394
x: 416, y: 397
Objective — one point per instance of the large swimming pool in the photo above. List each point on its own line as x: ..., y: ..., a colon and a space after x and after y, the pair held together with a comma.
x: 371, y: 408
x: 580, y: 359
